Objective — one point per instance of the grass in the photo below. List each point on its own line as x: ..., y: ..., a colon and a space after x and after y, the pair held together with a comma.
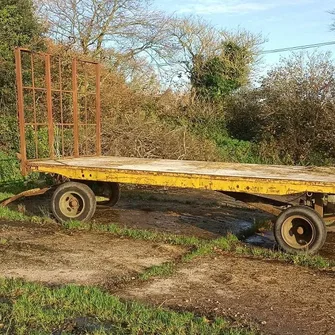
x: 138, y: 234
x: 5, y: 195
x: 19, y: 215
x: 163, y: 270
x: 314, y: 261
x: 13, y: 215
x: 28, y: 308
x: 9, y: 214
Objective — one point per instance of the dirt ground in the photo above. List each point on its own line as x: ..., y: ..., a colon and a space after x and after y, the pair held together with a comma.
x: 49, y: 255
x: 275, y: 297
x: 279, y: 298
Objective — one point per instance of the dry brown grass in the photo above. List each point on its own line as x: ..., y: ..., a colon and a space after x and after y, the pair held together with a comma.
x: 136, y: 135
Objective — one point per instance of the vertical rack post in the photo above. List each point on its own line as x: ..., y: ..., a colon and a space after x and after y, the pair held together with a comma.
x: 75, y: 108
x: 34, y: 103
x: 49, y: 105
x: 20, y: 106
x: 98, y: 109
x: 61, y: 103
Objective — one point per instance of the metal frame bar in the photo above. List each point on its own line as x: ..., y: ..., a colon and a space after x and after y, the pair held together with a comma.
x: 75, y: 108
x: 98, y: 110
x: 34, y: 104
x: 20, y: 104
x: 60, y: 77
x: 49, y: 105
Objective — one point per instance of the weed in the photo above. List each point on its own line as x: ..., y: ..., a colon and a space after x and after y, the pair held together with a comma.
x: 74, y: 224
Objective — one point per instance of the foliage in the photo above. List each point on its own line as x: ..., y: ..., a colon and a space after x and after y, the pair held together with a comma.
x: 287, y: 119
x: 218, y: 76
x: 9, y: 169
x: 291, y: 114
x: 243, y: 114
x: 19, y: 26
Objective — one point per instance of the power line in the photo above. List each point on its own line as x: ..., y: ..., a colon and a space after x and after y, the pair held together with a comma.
x: 300, y: 47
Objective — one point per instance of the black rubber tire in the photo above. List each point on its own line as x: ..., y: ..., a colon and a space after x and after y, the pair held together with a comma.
x: 84, y: 192
x: 114, y: 194
x: 314, y: 219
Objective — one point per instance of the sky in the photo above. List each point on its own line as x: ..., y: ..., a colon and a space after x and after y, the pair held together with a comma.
x: 283, y: 23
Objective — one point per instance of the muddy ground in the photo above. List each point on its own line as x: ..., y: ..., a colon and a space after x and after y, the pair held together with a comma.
x: 274, y: 297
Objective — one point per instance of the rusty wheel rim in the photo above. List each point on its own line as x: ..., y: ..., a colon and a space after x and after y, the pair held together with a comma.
x: 71, y: 204
x: 298, y: 232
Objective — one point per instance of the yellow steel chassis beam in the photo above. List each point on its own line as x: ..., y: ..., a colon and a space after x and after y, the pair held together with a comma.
x: 181, y: 180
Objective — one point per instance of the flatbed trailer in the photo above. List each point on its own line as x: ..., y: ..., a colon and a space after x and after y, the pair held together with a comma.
x: 298, y: 228
x: 216, y: 176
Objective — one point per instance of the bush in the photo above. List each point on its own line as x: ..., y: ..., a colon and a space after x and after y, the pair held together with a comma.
x: 9, y: 169
x: 291, y: 114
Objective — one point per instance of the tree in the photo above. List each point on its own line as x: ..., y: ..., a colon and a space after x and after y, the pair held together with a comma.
x: 332, y: 27
x: 222, y: 74
x: 19, y: 26
x: 215, y: 61
x: 128, y: 27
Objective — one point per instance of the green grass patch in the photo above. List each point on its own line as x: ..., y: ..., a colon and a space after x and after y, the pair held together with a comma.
x: 138, y: 234
x: 5, y: 195
x: 9, y: 214
x: 312, y: 261
x: 27, y: 308
x: 231, y: 244
x: 14, y: 215
x: 162, y: 270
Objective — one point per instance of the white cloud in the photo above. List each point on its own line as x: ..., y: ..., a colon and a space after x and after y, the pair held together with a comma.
x: 233, y: 6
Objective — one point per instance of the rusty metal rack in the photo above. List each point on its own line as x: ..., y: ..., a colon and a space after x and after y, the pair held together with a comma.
x: 58, y: 106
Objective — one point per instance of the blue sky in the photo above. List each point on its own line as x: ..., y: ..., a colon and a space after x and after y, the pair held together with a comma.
x: 283, y: 23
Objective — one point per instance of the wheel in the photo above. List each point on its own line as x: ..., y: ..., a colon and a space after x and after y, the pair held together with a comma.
x: 299, y: 229
x: 111, y: 191
x: 73, y: 201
